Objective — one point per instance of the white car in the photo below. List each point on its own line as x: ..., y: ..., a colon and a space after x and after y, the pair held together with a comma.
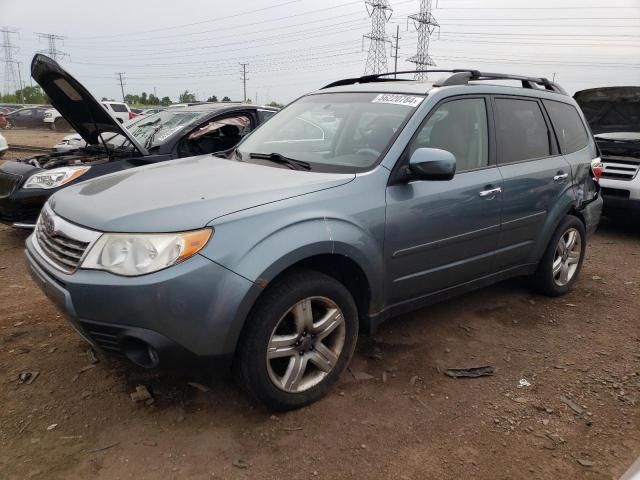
x: 4, y: 146
x: 118, y: 110
x: 612, y: 113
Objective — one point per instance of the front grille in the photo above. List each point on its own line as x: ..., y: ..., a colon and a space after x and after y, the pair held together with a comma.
x: 104, y: 336
x: 62, y: 250
x: 619, y: 170
x: 8, y: 183
x: 57, y: 243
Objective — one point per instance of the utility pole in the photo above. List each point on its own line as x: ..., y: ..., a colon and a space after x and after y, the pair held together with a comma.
x: 397, y: 39
x: 52, y: 50
x: 12, y: 82
x: 244, y: 80
x: 425, y: 23
x: 380, y: 12
x: 122, y: 84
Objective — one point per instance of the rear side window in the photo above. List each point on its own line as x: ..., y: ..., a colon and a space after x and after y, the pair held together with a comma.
x: 118, y: 107
x: 459, y: 127
x: 522, y: 131
x: 568, y: 126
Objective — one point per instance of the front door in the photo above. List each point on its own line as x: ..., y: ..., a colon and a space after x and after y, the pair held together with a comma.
x: 535, y: 175
x: 443, y: 233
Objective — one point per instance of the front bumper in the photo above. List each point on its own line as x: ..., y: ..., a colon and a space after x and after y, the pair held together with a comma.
x: 193, y: 309
x: 621, y: 196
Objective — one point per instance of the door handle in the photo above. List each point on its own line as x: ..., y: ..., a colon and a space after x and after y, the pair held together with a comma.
x: 490, y: 192
x: 560, y: 177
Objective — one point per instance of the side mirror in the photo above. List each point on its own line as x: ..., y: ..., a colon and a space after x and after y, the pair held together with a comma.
x: 432, y: 164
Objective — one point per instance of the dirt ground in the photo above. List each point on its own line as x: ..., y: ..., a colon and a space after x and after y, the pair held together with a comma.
x: 393, y: 415
x: 36, y: 137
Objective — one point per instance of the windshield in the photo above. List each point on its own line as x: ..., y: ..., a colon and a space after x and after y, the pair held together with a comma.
x: 333, y: 131
x: 153, y: 129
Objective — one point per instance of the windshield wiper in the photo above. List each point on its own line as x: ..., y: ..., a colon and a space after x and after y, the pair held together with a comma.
x: 282, y: 160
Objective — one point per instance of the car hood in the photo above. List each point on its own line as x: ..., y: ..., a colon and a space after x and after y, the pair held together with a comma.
x: 183, y: 194
x: 611, y: 109
x: 84, y: 113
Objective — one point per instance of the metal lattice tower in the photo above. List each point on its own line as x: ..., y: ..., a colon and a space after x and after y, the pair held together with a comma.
x: 425, y: 23
x: 380, y: 12
x: 11, y: 73
x: 52, y: 51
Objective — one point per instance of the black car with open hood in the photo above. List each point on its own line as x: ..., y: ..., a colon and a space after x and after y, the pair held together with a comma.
x: 206, y: 128
x: 613, y: 114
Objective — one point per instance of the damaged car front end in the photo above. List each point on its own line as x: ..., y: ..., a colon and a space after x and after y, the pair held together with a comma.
x: 613, y: 114
x: 26, y: 184
x: 102, y: 145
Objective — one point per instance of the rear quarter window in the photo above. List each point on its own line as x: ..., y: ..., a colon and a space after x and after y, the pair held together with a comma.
x: 118, y: 107
x: 521, y: 130
x: 568, y: 125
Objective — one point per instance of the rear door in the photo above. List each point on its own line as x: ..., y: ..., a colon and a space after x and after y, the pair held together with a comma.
x: 534, y: 172
x: 440, y: 234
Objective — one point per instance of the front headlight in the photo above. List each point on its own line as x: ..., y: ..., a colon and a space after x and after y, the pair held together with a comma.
x: 55, y: 178
x: 140, y: 253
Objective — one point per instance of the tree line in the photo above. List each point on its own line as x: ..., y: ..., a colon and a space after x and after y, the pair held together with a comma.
x: 36, y: 96
x: 30, y: 95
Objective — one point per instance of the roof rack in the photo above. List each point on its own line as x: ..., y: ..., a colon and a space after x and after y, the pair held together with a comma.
x: 457, y: 77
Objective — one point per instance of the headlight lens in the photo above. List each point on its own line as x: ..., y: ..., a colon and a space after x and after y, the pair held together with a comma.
x: 55, y: 178
x: 138, y: 254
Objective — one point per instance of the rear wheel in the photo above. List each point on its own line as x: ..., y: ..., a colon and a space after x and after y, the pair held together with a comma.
x: 299, y: 338
x: 559, y: 268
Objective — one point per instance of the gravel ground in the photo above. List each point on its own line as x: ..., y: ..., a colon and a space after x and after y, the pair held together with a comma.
x: 563, y: 402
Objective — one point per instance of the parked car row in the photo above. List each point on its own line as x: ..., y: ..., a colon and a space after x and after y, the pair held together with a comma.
x: 272, y: 251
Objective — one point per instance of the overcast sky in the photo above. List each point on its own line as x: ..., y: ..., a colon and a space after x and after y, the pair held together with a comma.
x: 295, y: 46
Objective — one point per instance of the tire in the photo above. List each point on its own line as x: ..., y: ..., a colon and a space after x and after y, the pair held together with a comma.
x: 61, y: 125
x: 560, y: 266
x: 274, y: 328
x: 9, y: 125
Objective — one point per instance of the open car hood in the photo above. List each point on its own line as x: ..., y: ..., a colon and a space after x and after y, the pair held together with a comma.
x: 611, y: 109
x: 84, y: 113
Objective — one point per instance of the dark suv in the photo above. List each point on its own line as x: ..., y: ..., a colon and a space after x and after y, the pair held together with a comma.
x: 357, y: 202
x: 103, y: 145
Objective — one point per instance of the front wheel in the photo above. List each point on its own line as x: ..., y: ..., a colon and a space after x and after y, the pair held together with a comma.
x: 559, y: 268
x: 299, y: 338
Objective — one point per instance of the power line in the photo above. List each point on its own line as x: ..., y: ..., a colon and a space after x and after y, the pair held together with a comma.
x: 396, y: 47
x: 122, y: 83
x: 380, y: 12
x: 425, y: 23
x: 52, y: 50
x: 12, y: 78
x: 244, y: 80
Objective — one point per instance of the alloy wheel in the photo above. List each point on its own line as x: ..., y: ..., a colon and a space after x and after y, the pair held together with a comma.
x: 306, y: 344
x: 567, y: 257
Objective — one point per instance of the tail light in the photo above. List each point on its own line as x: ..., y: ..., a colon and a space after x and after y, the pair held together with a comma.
x: 132, y: 115
x: 596, y: 168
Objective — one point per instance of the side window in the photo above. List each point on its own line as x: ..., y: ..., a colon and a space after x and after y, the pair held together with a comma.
x: 521, y: 130
x: 568, y: 126
x: 267, y: 114
x: 216, y: 135
x: 459, y: 127
x: 118, y: 107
